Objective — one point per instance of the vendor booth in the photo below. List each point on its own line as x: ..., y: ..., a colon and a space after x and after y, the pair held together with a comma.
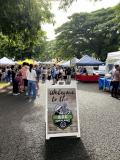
x: 66, y: 64
x: 74, y: 61
x: 47, y: 63
x: 87, y: 78
x: 71, y: 62
x: 88, y: 61
x: 112, y: 58
x: 29, y: 61
x: 6, y: 61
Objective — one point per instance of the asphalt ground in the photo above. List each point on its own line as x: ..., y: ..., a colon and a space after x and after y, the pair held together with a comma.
x: 22, y: 128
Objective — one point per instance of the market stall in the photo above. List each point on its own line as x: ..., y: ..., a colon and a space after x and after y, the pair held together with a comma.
x: 6, y: 61
x: 29, y: 61
x: 66, y: 64
x: 71, y: 62
x: 112, y: 58
x: 87, y: 78
x: 47, y: 63
x: 88, y: 61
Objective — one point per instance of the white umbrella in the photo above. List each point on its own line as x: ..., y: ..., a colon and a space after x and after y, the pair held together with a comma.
x: 6, y: 61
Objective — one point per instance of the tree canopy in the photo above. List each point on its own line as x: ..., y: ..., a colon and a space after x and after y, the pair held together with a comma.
x: 20, y: 24
x: 21, y: 34
x: 95, y: 33
x: 64, y: 4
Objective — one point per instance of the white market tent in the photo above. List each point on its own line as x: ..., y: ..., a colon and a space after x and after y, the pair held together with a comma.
x: 71, y: 62
x: 113, y: 57
x: 117, y: 63
x: 74, y: 61
x: 47, y: 63
x: 66, y: 64
x: 6, y: 61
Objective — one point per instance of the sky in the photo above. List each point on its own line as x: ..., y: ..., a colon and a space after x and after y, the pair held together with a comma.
x: 76, y: 7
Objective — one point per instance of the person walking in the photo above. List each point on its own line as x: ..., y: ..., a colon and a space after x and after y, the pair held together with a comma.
x: 56, y: 75
x: 32, y: 82
x: 20, y: 79
x: 8, y: 74
x: 15, y: 81
x: 68, y: 73
x: 115, y: 81
x: 24, y: 70
x: 0, y: 74
x: 44, y: 74
x: 49, y: 74
x: 60, y: 73
x: 53, y: 74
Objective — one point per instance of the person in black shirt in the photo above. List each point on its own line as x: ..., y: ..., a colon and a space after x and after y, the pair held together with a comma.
x: 15, y: 81
x: 13, y: 73
x: 68, y: 73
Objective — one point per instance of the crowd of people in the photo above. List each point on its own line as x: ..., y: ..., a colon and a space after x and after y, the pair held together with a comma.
x: 25, y: 78
x: 5, y: 73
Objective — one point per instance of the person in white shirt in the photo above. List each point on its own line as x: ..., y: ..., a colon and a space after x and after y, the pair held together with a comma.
x: 32, y: 82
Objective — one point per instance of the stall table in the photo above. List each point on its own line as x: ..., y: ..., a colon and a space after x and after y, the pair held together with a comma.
x: 87, y: 78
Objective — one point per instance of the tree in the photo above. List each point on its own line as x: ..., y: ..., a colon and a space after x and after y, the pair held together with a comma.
x: 21, y: 22
x: 89, y: 33
x: 64, y: 4
x: 51, y: 49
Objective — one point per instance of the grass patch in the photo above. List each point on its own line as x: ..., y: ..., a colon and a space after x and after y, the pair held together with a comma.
x: 3, y: 84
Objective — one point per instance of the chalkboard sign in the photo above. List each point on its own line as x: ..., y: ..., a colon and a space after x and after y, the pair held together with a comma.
x: 62, y: 114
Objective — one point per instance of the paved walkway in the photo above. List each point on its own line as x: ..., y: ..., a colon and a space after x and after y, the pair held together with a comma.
x: 22, y: 128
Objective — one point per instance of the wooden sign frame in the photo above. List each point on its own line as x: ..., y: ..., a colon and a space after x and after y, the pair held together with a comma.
x: 76, y: 134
